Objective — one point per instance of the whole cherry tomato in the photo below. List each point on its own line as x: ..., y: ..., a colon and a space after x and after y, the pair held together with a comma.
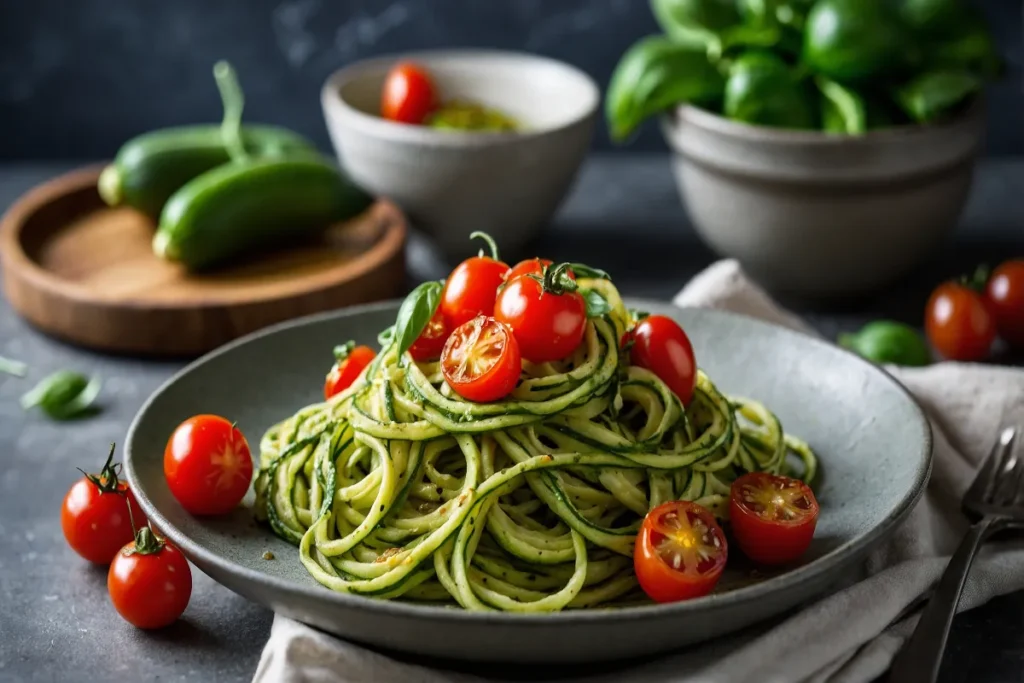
x: 431, y: 341
x: 533, y: 266
x: 772, y: 517
x: 680, y: 552
x: 470, y: 289
x: 547, y: 318
x: 350, y: 361
x: 660, y: 345
x: 958, y: 322
x: 149, y: 581
x: 208, y: 465
x: 95, y: 515
x: 1005, y: 293
x: 481, y: 360
x: 408, y: 95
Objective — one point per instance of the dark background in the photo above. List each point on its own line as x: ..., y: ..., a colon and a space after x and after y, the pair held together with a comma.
x: 78, y: 77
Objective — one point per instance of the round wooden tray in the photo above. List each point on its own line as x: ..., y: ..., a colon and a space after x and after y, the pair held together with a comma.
x: 85, y: 272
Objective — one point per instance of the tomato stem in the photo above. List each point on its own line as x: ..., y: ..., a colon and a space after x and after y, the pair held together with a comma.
x: 556, y: 279
x: 490, y: 243
x: 978, y: 279
x: 146, y: 542
x: 107, y: 480
x: 342, y: 351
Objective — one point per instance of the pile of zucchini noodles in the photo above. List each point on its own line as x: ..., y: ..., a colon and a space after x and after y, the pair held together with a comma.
x: 399, y: 488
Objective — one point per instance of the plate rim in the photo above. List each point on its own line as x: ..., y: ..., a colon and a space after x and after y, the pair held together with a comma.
x: 393, y: 608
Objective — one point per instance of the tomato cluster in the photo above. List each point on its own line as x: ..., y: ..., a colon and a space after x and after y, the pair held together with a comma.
x: 963, y: 317
x: 681, y: 551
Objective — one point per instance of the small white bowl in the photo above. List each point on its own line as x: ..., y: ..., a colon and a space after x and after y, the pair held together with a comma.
x: 451, y: 183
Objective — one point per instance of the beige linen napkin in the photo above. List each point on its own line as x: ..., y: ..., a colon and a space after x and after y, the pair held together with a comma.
x: 848, y: 637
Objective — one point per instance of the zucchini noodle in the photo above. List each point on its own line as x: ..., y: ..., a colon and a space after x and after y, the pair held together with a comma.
x: 399, y: 488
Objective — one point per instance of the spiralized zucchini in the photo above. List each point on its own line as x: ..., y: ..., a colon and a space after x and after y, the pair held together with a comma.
x: 399, y: 488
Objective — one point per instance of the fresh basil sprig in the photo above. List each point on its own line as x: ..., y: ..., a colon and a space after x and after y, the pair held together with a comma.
x: 597, y: 305
x: 9, y: 366
x: 415, y: 312
x: 63, y: 395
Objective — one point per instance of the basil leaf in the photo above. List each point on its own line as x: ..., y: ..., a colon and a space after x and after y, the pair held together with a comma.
x: 842, y: 108
x: 585, y: 271
x: 415, y: 312
x: 933, y: 94
x: 597, y: 305
x: 887, y: 341
x: 12, y: 367
x: 63, y: 395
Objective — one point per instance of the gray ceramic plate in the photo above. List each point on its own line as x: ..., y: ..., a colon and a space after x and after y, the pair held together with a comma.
x: 872, y: 439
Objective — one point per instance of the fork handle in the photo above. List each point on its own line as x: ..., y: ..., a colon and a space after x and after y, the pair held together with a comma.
x: 920, y: 658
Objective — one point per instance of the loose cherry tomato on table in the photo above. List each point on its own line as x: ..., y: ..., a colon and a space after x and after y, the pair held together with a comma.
x: 408, y: 95
x: 548, y: 318
x: 660, y: 345
x: 1005, y: 294
x: 680, y: 552
x: 481, y: 360
x: 470, y: 289
x: 772, y: 517
x: 430, y: 343
x: 350, y: 361
x: 149, y: 581
x: 208, y: 465
x: 95, y: 516
x: 958, y: 322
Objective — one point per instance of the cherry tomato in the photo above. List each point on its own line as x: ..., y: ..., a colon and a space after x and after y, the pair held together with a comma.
x: 548, y: 325
x: 470, y: 289
x: 481, y: 360
x: 431, y: 341
x: 958, y: 323
x: 1005, y: 293
x: 149, y: 582
x: 95, y: 516
x: 661, y: 346
x: 533, y: 266
x: 680, y: 552
x: 351, y: 361
x: 208, y: 465
x: 408, y: 94
x: 772, y: 517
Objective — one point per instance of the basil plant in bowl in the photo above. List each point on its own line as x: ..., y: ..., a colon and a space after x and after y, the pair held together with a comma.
x: 827, y: 144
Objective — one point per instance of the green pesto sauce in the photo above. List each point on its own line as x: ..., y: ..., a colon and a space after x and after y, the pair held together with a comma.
x: 469, y: 116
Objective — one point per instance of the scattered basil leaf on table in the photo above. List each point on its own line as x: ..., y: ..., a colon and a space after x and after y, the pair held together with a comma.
x: 842, y: 108
x: 12, y: 367
x: 887, y: 341
x: 933, y: 94
x: 415, y: 312
x: 63, y: 395
x: 657, y: 73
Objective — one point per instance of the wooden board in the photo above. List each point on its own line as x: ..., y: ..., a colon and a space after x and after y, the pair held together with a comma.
x: 86, y: 273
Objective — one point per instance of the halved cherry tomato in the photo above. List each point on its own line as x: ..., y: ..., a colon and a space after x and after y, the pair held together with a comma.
x: 149, y: 582
x: 661, y: 346
x: 470, y: 289
x: 208, y: 465
x: 772, y: 517
x: 431, y: 341
x: 533, y: 266
x: 958, y: 323
x: 1005, y: 293
x: 351, y: 361
x: 408, y: 94
x: 680, y: 552
x: 548, y: 324
x: 95, y: 515
x: 481, y: 360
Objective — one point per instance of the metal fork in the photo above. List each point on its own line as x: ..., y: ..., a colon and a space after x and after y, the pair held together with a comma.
x: 995, y: 500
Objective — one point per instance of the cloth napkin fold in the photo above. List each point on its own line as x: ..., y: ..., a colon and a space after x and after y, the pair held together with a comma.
x: 848, y: 637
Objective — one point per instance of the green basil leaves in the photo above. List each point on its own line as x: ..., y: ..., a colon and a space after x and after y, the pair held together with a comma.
x: 415, y: 312
x: 64, y: 395
x: 886, y: 341
x: 12, y: 367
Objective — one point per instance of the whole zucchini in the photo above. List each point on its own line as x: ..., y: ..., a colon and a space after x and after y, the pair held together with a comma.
x: 245, y: 206
x: 150, y: 168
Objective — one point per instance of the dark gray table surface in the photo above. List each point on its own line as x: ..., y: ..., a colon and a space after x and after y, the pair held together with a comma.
x: 56, y: 622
